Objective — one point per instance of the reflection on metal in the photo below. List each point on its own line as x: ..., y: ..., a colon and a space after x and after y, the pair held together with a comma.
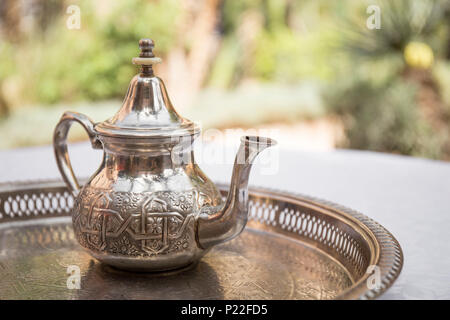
x: 294, y: 247
x: 149, y: 177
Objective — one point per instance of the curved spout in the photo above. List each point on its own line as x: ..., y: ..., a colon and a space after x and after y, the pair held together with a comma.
x: 231, y: 220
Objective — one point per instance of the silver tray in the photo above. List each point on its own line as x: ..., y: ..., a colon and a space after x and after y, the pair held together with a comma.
x: 294, y: 247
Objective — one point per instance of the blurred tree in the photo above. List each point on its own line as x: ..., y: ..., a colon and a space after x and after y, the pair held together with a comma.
x: 402, y: 21
x: 4, y: 109
x: 47, y: 11
x: 446, y: 14
x: 384, y: 118
x: 195, y: 45
x: 10, y: 16
x: 374, y: 116
x: 230, y: 43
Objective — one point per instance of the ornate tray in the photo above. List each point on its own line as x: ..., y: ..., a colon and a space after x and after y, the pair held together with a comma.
x: 294, y: 247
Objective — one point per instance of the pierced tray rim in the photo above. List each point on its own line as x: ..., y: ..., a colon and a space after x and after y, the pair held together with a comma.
x: 389, y: 254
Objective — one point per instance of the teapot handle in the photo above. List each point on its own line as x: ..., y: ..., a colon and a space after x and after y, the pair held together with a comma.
x: 60, y: 145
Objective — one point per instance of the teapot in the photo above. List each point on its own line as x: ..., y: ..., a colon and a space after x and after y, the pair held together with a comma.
x: 149, y: 207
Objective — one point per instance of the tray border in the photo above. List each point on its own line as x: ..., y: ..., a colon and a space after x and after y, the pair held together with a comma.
x: 389, y: 254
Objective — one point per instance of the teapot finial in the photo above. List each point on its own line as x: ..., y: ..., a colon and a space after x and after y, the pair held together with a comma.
x: 146, y: 57
x: 146, y: 45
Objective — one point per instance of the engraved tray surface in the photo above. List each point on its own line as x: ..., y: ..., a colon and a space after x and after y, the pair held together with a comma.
x: 294, y: 247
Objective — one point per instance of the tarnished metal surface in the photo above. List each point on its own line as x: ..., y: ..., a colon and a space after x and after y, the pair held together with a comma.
x: 294, y: 247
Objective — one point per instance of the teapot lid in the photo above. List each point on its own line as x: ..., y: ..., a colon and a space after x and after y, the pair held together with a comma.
x: 146, y: 111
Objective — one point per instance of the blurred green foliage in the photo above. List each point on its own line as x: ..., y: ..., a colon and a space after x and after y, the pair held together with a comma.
x: 402, y: 21
x: 289, y: 58
x: 384, y: 118
x: 92, y: 63
x: 303, y: 55
x: 395, y: 99
x: 279, y: 49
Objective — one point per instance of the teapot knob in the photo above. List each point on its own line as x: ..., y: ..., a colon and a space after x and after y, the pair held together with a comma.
x: 146, y: 57
x: 146, y: 45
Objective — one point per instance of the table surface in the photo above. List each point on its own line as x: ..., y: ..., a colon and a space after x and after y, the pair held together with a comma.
x: 409, y: 196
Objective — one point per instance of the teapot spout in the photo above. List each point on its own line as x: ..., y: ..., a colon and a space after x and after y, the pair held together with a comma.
x: 229, y: 222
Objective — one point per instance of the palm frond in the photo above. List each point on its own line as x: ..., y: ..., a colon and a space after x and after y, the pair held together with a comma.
x: 401, y: 22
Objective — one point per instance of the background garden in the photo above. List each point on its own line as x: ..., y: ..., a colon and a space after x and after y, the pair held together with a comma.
x: 311, y: 68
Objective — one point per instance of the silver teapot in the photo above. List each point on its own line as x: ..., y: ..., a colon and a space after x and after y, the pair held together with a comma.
x: 149, y: 207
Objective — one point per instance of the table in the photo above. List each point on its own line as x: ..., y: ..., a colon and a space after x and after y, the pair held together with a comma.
x: 409, y: 196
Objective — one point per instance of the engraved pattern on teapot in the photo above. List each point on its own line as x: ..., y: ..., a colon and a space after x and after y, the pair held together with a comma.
x: 136, y: 224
